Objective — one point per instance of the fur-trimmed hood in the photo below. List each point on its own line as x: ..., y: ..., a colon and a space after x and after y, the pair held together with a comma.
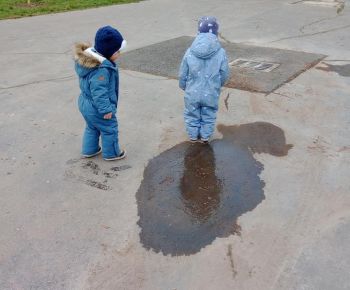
x: 87, y: 59
x: 83, y: 58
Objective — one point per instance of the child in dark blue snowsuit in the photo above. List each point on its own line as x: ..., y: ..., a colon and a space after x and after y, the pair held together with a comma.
x: 99, y: 85
x: 204, y: 70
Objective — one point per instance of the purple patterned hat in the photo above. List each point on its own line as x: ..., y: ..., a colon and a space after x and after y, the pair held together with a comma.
x: 208, y: 24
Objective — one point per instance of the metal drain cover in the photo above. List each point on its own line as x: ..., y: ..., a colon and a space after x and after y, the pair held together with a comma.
x: 253, y: 68
x: 254, y: 64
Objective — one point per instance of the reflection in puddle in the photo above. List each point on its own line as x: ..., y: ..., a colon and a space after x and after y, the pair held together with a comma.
x: 194, y: 193
x: 200, y: 188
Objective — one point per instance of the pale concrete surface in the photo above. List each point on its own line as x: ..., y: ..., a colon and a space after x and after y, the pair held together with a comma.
x: 59, y: 233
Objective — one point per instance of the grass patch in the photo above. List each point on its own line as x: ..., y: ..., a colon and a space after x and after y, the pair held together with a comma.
x: 22, y: 8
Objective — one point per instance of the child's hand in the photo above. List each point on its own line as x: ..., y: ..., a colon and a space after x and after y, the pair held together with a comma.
x: 107, y: 116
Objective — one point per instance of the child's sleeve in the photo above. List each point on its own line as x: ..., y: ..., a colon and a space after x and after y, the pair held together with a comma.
x: 224, y: 69
x: 99, y: 87
x: 183, y: 73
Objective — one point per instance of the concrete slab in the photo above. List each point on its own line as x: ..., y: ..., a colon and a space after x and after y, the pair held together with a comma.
x: 325, y: 255
x: 164, y: 58
x: 59, y: 231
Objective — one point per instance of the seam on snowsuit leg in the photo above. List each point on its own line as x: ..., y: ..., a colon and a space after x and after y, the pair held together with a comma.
x: 110, y: 139
x: 192, y: 119
x: 90, y: 144
x: 208, y: 120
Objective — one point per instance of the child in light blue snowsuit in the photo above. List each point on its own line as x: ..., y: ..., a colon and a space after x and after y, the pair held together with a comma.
x: 99, y: 85
x: 204, y: 70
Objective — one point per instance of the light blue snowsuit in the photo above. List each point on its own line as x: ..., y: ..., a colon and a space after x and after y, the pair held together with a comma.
x: 204, y: 70
x: 99, y: 85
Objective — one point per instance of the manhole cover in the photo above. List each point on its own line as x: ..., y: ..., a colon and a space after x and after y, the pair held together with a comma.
x: 253, y: 68
x: 255, y: 65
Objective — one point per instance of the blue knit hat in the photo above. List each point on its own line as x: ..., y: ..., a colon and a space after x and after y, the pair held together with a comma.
x: 208, y: 24
x: 108, y: 41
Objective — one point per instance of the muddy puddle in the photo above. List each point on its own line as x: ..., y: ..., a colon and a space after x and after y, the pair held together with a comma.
x: 342, y: 70
x: 193, y: 193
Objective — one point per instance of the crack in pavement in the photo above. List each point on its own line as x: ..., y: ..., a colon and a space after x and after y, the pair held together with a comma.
x: 34, y: 53
x: 226, y: 101
x: 340, y: 4
x: 128, y: 73
x: 342, y: 60
x: 72, y: 76
x: 230, y: 255
x: 311, y: 34
x: 315, y: 22
x: 37, y: 52
x: 38, y: 82
x: 279, y: 94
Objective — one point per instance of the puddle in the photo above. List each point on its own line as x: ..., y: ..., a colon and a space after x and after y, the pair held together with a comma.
x: 343, y: 70
x: 193, y: 193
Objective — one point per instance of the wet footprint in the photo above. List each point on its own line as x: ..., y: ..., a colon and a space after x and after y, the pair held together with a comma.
x: 90, y: 173
x: 193, y: 193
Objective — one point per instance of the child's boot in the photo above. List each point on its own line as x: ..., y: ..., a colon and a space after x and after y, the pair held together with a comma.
x: 122, y: 155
